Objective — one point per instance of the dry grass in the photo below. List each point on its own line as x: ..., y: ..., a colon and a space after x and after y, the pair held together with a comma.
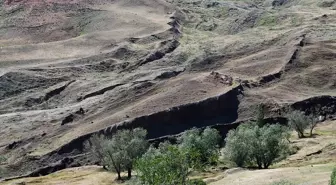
x: 313, y: 175
x: 320, y: 149
x: 89, y: 175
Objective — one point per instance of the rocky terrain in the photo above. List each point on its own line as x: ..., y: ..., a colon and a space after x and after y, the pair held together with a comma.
x: 72, y: 68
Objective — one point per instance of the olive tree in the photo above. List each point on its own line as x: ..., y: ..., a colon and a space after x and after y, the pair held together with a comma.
x: 166, y: 165
x: 269, y: 144
x: 261, y: 146
x: 312, y: 124
x: 299, y: 122
x: 201, y: 147
x: 237, y: 145
x: 118, y: 153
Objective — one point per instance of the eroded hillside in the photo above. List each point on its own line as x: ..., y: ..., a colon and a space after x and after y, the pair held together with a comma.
x: 72, y: 68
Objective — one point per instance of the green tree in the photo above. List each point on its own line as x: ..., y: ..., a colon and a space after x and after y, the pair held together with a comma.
x: 201, y: 148
x: 299, y: 122
x: 166, y: 165
x: 119, y: 152
x: 269, y: 145
x: 261, y: 146
x: 237, y: 145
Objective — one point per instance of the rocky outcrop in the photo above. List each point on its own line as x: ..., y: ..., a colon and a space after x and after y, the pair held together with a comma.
x: 320, y: 105
x: 220, y: 109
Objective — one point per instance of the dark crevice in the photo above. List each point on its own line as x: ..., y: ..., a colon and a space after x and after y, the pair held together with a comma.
x: 99, y: 92
x: 56, y: 91
x: 169, y: 74
x: 166, y: 47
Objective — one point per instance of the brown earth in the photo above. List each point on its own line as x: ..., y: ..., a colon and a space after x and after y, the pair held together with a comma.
x: 72, y: 68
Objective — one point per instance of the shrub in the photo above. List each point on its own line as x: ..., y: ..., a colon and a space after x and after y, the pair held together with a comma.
x: 201, y: 148
x: 119, y: 152
x: 333, y: 177
x: 261, y: 146
x: 299, y: 122
x: 164, y: 165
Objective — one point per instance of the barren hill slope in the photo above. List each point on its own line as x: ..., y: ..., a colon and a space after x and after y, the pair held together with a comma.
x: 72, y: 68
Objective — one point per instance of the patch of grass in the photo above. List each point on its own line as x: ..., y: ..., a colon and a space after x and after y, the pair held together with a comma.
x: 325, y: 132
x: 195, y: 42
x: 296, y: 21
x: 268, y: 20
x: 3, y: 159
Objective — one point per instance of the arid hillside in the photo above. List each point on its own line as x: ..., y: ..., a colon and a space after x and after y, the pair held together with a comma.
x: 312, y: 164
x: 71, y: 68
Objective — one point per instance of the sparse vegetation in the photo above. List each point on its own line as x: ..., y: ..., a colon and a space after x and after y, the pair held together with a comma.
x: 299, y: 122
x: 119, y: 152
x: 268, y: 20
x: 2, y: 159
x: 250, y: 144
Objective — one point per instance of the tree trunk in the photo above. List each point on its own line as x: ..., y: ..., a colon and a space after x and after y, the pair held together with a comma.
x: 311, y: 132
x: 266, y: 166
x: 129, y: 172
x: 119, y: 177
x: 259, y: 163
